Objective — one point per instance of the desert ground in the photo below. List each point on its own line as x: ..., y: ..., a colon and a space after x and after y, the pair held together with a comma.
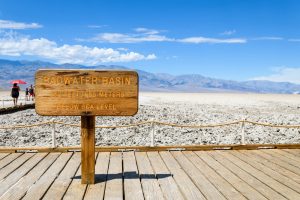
x: 179, y: 108
x: 6, y: 100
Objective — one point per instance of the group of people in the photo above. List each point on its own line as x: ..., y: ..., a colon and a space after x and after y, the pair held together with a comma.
x: 15, y: 92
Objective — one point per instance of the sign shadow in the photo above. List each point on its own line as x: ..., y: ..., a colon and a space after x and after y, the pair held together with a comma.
x: 99, y: 178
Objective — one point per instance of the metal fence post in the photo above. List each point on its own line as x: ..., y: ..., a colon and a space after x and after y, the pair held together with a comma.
x: 243, y: 132
x: 53, y: 134
x: 152, y: 132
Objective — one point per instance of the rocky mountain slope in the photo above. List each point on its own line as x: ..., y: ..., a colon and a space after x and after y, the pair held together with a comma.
x: 25, y: 70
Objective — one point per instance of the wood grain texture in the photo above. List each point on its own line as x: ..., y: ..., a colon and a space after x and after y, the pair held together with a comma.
x: 269, y: 164
x: 251, y: 180
x: 96, y: 191
x: 62, y: 182
x: 29, y: 179
x: 267, y: 177
x: 114, y: 184
x: 132, y: 184
x: 156, y: 148
x: 164, y: 177
x: 184, y: 182
x: 258, y: 174
x: 205, y: 186
x: 39, y: 188
x: 3, y: 155
x: 14, y: 177
x: 5, y: 171
x: 222, y: 184
x: 88, y: 149
x: 8, y: 159
x: 86, y: 92
x: 150, y: 185
x: 270, y: 172
x: 239, y: 184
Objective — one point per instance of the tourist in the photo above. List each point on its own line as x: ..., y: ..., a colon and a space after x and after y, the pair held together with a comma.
x: 31, y: 92
x: 15, y: 91
x: 27, y: 94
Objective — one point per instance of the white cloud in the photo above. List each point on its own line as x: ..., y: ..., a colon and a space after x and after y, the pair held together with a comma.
x: 230, y: 32
x: 77, y: 54
x: 129, y: 38
x: 151, y: 35
x: 97, y: 26
x: 6, y: 24
x: 268, y: 38
x: 197, y: 40
x: 146, y: 31
x: 122, y: 49
x: 282, y: 74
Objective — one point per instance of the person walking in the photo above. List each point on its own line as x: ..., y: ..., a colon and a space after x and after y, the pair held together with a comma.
x: 15, y: 91
x: 31, y: 92
x: 27, y: 94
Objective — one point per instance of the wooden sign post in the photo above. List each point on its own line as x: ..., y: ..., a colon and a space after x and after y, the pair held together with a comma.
x: 86, y: 93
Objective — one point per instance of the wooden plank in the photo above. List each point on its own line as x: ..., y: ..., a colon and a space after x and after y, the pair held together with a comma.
x: 18, y: 190
x: 5, y: 171
x: 283, y: 158
x: 295, y: 152
x: 20, y: 172
x: 239, y: 184
x: 271, y: 165
x: 87, y: 149
x: 96, y: 191
x: 168, y: 185
x: 76, y: 190
x: 132, y: 184
x: 250, y: 179
x: 149, y: 182
x: 292, y: 158
x: 272, y: 183
x: 86, y: 92
x: 157, y: 148
x: 277, y: 161
x: 270, y: 172
x: 223, y: 186
x: 3, y: 155
x: 205, y: 186
x: 62, y: 182
x: 8, y: 159
x: 40, y: 187
x: 186, y: 185
x: 114, y: 185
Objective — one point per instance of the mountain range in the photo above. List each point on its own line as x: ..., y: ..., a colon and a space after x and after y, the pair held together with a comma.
x: 25, y: 70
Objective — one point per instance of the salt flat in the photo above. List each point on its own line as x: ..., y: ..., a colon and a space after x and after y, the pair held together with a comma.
x: 6, y: 99
x: 180, y: 108
x: 230, y: 99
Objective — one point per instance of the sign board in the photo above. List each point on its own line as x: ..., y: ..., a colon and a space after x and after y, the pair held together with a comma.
x: 86, y: 92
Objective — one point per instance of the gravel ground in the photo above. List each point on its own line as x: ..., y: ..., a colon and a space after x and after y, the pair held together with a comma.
x: 174, y: 108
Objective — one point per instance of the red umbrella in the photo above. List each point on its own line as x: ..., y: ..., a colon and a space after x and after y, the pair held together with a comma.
x: 18, y: 81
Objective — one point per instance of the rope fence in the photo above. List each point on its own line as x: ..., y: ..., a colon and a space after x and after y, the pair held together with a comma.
x: 159, y: 123
x: 153, y: 123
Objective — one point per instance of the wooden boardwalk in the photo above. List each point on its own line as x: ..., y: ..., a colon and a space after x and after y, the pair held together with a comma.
x: 220, y: 174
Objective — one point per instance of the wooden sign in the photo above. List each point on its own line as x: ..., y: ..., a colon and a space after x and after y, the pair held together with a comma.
x: 86, y: 92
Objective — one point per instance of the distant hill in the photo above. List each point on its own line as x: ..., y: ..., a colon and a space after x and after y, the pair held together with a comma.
x: 25, y: 70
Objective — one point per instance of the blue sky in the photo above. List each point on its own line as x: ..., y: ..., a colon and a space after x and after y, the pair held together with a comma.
x: 229, y: 39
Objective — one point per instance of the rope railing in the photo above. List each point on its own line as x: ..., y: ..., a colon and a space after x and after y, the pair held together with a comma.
x: 159, y: 123
x: 152, y: 126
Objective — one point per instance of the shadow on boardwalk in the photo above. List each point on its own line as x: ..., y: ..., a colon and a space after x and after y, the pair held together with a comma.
x: 127, y: 175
